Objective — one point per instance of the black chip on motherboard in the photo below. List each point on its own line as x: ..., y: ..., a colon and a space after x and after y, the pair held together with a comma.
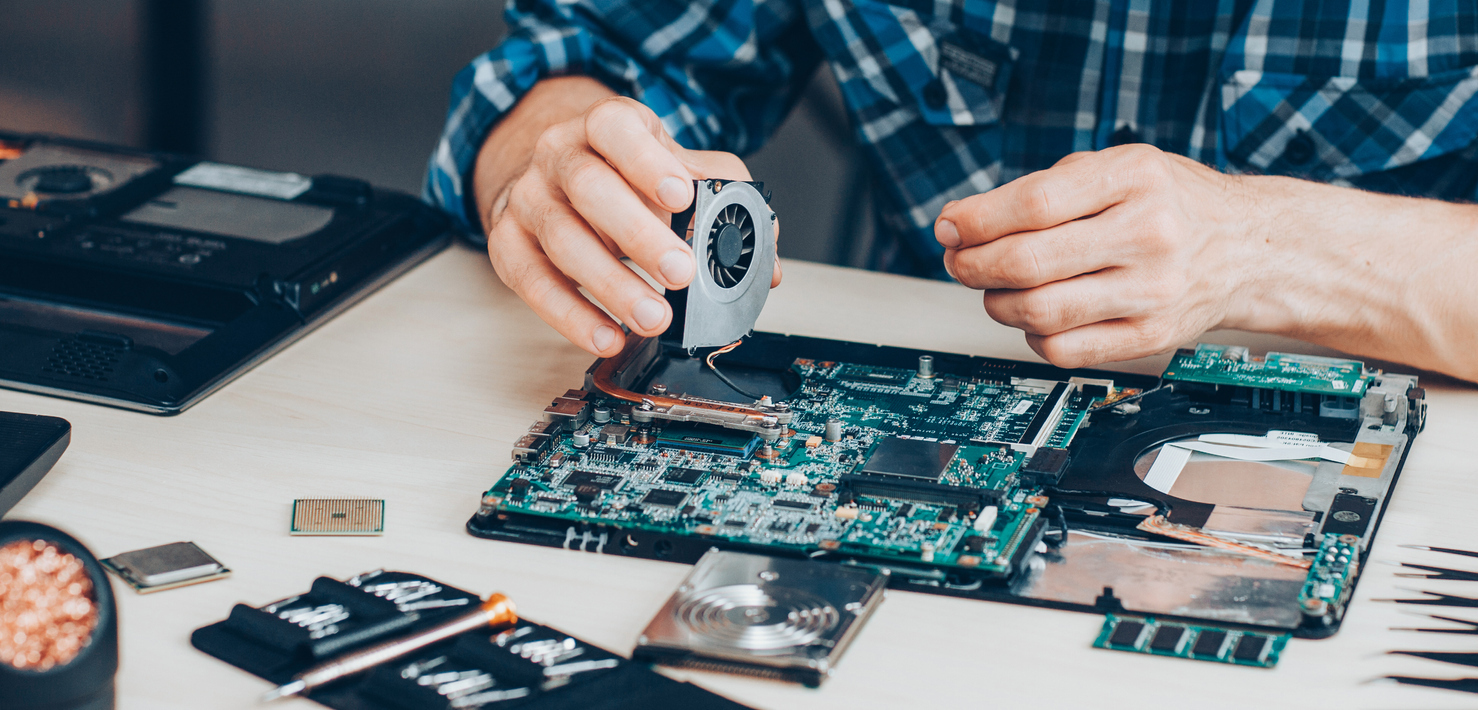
x: 796, y: 504
x: 586, y: 494
x: 590, y: 478
x: 1127, y: 634
x: 1168, y: 639
x: 875, y: 375
x: 1251, y: 648
x: 709, y: 439
x: 1209, y: 644
x: 910, y: 458
x: 684, y: 475
x: 664, y: 497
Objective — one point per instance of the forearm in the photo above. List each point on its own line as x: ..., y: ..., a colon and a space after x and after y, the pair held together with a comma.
x: 1388, y: 277
x: 506, y: 152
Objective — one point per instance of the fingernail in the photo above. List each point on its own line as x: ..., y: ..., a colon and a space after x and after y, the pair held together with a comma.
x: 604, y: 338
x: 648, y: 313
x: 676, y: 266
x: 946, y: 233
x: 674, y: 193
x: 949, y: 204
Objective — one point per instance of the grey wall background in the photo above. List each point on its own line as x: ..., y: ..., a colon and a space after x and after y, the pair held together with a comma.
x: 359, y: 87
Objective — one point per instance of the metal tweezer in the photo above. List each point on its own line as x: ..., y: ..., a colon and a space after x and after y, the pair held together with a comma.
x: 1446, y: 550
x: 1460, y: 658
x: 1439, y: 573
x: 1438, y: 600
x: 1472, y: 626
x: 1466, y: 685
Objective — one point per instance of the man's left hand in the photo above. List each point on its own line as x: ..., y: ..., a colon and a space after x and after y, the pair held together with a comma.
x: 1106, y: 256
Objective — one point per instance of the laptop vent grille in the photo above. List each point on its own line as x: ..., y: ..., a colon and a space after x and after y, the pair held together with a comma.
x: 75, y: 358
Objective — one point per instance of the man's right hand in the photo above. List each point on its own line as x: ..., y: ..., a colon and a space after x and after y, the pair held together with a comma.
x: 565, y: 192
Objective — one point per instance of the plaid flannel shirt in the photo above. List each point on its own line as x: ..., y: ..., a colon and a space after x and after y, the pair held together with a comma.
x: 951, y: 98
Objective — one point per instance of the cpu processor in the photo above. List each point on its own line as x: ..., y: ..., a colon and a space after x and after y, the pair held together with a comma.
x: 338, y: 516
x: 165, y: 567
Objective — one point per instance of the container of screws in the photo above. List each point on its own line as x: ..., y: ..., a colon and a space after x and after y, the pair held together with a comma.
x: 58, y: 623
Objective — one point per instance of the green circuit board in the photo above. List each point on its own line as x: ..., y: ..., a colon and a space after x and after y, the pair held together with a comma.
x: 1234, y: 366
x: 916, y: 468
x: 1330, y: 575
x: 1156, y: 637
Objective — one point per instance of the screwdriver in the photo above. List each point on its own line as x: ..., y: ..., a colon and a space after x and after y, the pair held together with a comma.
x: 496, y: 612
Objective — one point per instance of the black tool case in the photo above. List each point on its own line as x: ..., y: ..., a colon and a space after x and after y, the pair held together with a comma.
x: 528, y: 666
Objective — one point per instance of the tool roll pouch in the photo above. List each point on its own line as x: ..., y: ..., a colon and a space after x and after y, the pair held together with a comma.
x: 529, y: 666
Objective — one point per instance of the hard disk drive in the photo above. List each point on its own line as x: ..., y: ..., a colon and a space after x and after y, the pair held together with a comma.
x: 762, y: 615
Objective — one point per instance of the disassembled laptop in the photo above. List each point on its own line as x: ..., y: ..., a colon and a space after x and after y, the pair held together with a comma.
x: 1234, y: 497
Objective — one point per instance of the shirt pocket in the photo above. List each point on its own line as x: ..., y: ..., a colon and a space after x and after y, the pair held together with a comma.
x: 1336, y: 128
x: 952, y: 75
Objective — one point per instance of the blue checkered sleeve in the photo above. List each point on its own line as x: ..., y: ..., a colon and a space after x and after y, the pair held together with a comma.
x: 721, y: 74
x: 951, y: 99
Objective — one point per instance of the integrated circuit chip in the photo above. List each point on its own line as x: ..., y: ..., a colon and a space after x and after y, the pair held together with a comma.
x: 165, y: 567
x: 1251, y: 648
x: 1127, y: 633
x: 664, y: 497
x: 878, y: 375
x: 913, y: 469
x: 1168, y: 639
x: 910, y: 458
x: 603, y: 481
x: 684, y: 475
x: 708, y: 439
x: 1209, y: 644
x: 338, y: 516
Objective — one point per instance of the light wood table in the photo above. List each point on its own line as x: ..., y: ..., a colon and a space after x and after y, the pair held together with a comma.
x: 415, y: 396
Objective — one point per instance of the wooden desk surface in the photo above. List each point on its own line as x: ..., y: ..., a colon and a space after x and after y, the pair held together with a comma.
x: 415, y: 396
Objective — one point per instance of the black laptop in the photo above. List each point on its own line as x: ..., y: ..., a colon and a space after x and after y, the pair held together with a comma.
x: 148, y: 280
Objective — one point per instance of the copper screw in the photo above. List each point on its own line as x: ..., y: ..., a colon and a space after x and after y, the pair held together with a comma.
x: 47, y: 608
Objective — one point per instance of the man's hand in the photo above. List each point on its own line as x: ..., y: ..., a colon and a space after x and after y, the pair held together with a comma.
x: 1105, y: 256
x: 600, y: 183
